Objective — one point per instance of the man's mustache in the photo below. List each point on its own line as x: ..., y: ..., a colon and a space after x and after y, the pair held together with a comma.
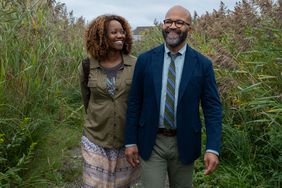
x: 177, y: 31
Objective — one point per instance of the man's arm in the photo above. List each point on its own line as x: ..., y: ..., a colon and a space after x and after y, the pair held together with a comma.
x: 135, y: 100
x: 213, y: 116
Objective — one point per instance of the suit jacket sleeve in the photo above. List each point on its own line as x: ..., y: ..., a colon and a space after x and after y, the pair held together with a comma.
x: 211, y: 106
x: 135, y: 101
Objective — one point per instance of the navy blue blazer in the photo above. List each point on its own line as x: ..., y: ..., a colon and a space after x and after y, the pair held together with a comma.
x: 197, y: 86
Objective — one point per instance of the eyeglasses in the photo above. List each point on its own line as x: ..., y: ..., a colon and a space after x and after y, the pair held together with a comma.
x: 177, y: 23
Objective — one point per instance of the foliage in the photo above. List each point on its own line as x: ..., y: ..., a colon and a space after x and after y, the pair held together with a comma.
x: 40, y: 48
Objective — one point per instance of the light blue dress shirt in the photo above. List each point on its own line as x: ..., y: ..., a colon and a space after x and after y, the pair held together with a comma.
x: 179, y: 62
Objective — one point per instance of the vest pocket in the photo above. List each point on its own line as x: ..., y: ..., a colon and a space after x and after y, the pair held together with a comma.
x: 92, y: 83
x: 128, y: 81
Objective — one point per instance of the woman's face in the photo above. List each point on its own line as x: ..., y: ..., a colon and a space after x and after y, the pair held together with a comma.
x: 116, y: 35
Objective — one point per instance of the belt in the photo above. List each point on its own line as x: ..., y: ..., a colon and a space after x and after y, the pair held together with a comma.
x: 167, y: 132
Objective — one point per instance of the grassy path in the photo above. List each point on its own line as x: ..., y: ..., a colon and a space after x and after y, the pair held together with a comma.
x: 57, y: 161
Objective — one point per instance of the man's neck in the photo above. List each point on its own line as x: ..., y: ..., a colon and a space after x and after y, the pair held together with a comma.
x: 176, y: 49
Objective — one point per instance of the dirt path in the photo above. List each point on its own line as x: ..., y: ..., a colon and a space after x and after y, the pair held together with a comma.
x: 72, y: 165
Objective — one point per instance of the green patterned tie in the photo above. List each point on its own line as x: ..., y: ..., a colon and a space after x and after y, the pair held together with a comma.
x: 169, y: 117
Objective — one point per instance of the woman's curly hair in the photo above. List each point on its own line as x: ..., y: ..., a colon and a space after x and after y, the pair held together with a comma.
x: 96, y: 40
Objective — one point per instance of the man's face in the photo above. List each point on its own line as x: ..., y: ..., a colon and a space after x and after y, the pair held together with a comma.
x: 174, y: 36
x: 175, y: 28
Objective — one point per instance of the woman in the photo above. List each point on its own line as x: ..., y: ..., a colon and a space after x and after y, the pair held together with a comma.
x: 108, y: 42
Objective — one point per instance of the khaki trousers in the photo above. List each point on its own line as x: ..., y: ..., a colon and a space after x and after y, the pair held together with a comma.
x: 164, y: 160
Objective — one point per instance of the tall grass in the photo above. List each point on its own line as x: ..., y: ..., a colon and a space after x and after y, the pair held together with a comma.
x: 41, y: 46
x: 246, y: 48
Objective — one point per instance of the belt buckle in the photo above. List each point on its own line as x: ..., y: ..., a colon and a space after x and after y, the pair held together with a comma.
x: 168, y: 132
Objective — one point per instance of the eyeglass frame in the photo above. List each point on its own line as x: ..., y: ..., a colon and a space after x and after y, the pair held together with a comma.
x: 175, y: 23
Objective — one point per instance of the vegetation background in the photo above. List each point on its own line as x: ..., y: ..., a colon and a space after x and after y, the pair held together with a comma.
x: 41, y: 112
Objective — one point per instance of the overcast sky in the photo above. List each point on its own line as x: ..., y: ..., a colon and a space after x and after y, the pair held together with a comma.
x: 142, y: 12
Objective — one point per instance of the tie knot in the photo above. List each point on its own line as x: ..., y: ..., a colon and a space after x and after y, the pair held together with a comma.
x: 173, y: 56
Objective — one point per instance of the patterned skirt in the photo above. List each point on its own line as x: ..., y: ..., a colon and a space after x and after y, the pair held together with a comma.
x: 106, y: 168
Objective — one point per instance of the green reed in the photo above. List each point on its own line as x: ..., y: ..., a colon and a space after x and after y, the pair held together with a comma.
x: 41, y: 46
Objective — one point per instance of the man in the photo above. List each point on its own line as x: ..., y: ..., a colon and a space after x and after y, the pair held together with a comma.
x: 163, y: 124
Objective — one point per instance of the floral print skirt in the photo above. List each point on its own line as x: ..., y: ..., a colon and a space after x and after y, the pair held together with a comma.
x: 106, y: 168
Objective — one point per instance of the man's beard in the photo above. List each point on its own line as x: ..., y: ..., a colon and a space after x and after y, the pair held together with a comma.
x: 173, y: 42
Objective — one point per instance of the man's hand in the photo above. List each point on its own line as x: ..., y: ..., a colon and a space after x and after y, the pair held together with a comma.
x: 211, y: 162
x: 132, y: 156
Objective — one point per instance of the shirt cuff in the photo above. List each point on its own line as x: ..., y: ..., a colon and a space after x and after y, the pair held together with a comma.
x: 212, y: 151
x: 129, y: 145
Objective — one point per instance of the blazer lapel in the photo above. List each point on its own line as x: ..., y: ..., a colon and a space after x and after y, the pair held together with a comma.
x: 187, y: 72
x: 157, y: 70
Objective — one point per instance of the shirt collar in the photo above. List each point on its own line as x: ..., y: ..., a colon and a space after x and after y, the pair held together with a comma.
x: 128, y: 60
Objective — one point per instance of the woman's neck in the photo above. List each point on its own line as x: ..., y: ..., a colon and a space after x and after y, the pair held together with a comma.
x: 112, y: 60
